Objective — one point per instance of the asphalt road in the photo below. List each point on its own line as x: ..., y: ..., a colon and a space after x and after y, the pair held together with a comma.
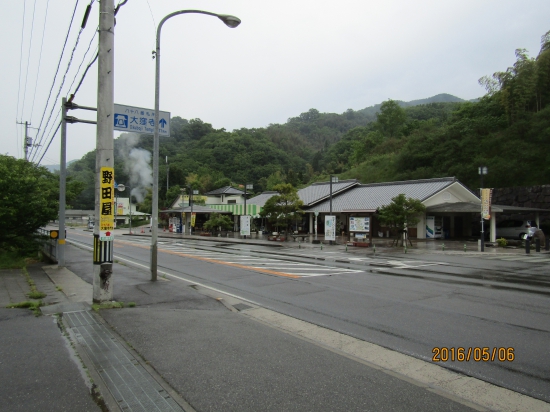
x: 409, y: 303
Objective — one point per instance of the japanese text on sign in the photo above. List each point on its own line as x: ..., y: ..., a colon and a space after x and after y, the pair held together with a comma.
x: 140, y: 120
x: 359, y: 224
x: 106, y: 202
x: 486, y: 203
x: 330, y: 227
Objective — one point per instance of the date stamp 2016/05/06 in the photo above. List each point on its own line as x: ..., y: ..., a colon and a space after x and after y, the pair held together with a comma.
x: 477, y: 354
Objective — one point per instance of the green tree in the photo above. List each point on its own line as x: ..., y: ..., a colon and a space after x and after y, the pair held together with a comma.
x: 391, y: 118
x: 218, y: 221
x: 402, y: 212
x: 275, y: 179
x: 146, y: 206
x: 30, y: 199
x: 284, y: 208
x: 172, y: 194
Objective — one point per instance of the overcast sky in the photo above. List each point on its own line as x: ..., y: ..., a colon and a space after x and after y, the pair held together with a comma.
x: 285, y: 58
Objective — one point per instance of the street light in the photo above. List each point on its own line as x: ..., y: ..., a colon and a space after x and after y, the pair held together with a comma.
x: 191, y: 193
x: 482, y: 170
x: 333, y: 179
x: 246, y: 186
x: 229, y: 21
x: 122, y: 188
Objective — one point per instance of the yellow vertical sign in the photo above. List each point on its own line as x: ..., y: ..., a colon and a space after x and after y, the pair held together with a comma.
x: 486, y: 203
x: 193, y: 216
x: 106, y: 203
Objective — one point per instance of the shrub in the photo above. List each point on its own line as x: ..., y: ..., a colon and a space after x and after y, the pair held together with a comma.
x: 502, y: 242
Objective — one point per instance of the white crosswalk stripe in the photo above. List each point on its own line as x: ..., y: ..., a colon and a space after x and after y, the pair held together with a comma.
x: 521, y: 258
x: 278, y: 265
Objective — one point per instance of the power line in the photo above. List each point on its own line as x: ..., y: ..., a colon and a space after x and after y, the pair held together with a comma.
x: 84, y: 75
x: 82, y: 62
x: 19, y: 81
x: 56, y: 71
x: 39, y: 58
x: 49, y: 143
x: 83, y: 25
x: 28, y: 59
x: 72, y: 97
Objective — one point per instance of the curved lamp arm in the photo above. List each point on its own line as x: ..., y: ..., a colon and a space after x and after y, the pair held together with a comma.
x: 229, y: 21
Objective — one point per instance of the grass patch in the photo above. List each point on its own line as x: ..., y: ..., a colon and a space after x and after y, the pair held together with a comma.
x: 131, y: 304
x: 14, y: 260
x: 107, y: 305
x: 59, y: 288
x: 32, y: 305
x: 36, y: 295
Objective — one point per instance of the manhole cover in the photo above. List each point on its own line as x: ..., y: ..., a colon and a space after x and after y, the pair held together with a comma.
x: 241, y: 306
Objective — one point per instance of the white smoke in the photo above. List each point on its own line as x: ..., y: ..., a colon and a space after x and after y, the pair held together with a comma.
x: 136, y: 164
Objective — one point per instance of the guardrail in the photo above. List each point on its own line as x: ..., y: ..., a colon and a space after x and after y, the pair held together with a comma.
x: 49, y: 245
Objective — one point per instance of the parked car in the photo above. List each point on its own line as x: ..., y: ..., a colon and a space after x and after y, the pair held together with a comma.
x: 515, y: 229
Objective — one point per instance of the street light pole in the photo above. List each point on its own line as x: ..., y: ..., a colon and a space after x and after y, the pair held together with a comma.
x: 230, y: 21
x: 191, y: 193
x: 246, y: 186
x: 335, y: 180
x: 130, y: 206
x: 482, y: 170
x: 122, y: 188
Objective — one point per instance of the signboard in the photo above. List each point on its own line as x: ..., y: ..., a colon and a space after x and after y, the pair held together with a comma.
x: 486, y: 203
x: 245, y: 225
x: 330, y: 227
x: 106, y: 203
x: 139, y: 120
x: 120, y: 208
x: 359, y: 224
x: 193, y: 217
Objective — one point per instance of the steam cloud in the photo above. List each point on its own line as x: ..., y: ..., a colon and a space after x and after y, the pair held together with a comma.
x: 136, y: 164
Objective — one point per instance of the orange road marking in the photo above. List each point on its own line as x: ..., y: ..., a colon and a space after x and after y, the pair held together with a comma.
x: 271, y: 272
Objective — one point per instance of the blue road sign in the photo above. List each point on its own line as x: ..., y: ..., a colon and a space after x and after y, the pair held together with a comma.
x: 140, y: 120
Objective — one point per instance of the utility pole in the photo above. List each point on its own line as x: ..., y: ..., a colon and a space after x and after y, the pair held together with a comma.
x: 104, y: 185
x: 62, y: 185
x: 27, y: 142
x: 167, y: 176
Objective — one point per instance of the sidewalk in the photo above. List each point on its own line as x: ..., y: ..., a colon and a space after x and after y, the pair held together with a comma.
x: 186, y: 348
x: 38, y: 368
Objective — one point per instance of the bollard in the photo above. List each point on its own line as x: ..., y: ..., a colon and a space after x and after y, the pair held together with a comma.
x: 464, y: 247
x: 527, y: 246
x: 405, y: 248
x: 321, y: 246
x: 374, y: 249
x: 346, y: 247
x: 299, y: 245
x: 443, y: 247
x: 537, y: 245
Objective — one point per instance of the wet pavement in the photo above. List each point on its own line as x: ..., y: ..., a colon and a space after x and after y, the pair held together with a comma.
x: 189, y: 349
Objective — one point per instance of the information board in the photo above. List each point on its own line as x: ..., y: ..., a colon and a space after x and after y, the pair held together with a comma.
x: 245, y: 225
x: 359, y: 224
x: 330, y: 227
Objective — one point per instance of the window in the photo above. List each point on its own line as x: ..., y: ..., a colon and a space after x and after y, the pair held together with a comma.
x: 232, y: 202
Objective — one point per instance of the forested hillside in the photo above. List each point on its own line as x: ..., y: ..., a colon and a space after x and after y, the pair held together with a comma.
x: 508, y: 130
